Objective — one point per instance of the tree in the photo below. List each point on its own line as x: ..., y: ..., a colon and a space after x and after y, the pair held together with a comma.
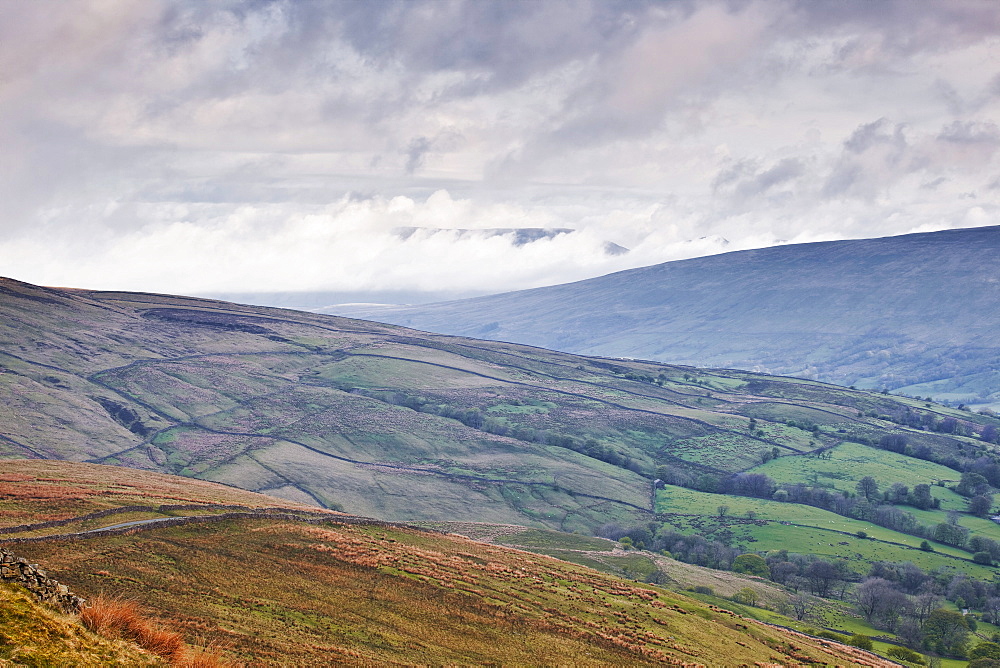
x: 981, y: 505
x: 893, y: 442
x: 867, y: 487
x: 905, y: 654
x: 972, y: 484
x: 801, y: 606
x: 880, y: 603
x: 985, y: 650
x: 860, y: 641
x: 821, y: 575
x: 746, y: 596
x: 751, y: 564
x: 722, y: 510
x: 869, y: 596
x: 753, y: 484
x: 950, y: 534
x: 984, y: 663
x: 921, y: 497
x: 782, y: 570
x: 898, y: 493
x: 946, y: 632
x: 991, y: 609
x: 983, y: 558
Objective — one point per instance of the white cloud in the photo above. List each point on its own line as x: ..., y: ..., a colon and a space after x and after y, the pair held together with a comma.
x: 195, y: 147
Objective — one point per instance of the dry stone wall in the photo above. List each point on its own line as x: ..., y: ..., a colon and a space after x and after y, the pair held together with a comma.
x: 34, y: 579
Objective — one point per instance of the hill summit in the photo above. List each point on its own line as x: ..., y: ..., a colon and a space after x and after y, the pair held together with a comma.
x: 915, y: 313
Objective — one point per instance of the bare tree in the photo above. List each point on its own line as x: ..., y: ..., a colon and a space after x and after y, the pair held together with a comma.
x: 801, y: 606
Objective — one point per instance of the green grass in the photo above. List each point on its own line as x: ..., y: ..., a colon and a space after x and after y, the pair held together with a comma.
x: 32, y: 634
x: 847, y: 463
x: 805, y: 530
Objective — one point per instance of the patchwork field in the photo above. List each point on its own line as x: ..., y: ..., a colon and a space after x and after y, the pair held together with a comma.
x: 397, y: 424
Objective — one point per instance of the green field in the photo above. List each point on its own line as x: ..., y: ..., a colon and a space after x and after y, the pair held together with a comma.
x: 805, y: 530
x: 847, y: 463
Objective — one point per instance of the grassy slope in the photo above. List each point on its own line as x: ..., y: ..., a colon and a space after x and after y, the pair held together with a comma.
x: 31, y: 634
x: 52, y: 489
x: 274, y: 592
x: 303, y: 406
x: 402, y: 596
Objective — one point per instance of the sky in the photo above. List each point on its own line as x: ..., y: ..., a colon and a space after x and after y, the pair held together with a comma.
x: 368, y: 148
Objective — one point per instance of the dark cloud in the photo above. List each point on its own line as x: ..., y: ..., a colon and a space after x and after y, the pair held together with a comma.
x: 747, y: 179
x: 878, y: 133
x: 971, y: 132
x: 415, y: 152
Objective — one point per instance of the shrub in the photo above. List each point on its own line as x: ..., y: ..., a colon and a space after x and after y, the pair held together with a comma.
x: 746, y: 596
x: 985, y: 650
x: 751, y: 564
x: 905, y: 654
x: 860, y: 641
x: 114, y: 618
x: 702, y: 589
x: 830, y: 635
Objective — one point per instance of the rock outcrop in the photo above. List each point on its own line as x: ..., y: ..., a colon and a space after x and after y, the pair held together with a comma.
x: 34, y: 579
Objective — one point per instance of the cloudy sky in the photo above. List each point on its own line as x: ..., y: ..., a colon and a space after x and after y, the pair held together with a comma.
x: 366, y: 148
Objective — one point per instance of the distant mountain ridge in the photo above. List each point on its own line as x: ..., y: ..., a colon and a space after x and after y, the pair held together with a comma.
x: 916, y: 313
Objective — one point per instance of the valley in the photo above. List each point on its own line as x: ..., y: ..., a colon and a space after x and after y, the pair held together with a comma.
x: 660, y: 474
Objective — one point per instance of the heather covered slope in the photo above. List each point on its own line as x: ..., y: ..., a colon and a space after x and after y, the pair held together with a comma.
x: 397, y: 424
x: 275, y: 591
x: 915, y: 312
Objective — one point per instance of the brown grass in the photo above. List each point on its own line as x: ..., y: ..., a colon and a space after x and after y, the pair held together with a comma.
x: 116, y: 618
x: 203, y: 660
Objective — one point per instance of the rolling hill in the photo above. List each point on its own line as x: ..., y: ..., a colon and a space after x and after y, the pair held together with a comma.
x: 915, y: 313
x: 392, y: 423
x: 396, y: 424
x: 321, y: 591
x: 476, y: 437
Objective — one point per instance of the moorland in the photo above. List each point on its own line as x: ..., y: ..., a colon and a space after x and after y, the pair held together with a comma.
x: 664, y: 474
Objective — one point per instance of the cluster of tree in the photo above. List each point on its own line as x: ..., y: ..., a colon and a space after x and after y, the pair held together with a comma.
x: 969, y: 457
x: 899, y: 598
x: 904, y: 600
x: 689, y: 548
x: 930, y: 421
x: 869, y: 503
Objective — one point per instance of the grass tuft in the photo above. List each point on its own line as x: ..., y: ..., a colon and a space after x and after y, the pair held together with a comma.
x: 115, y: 618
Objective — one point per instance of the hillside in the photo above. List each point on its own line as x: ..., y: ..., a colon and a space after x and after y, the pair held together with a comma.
x: 391, y: 423
x: 915, y: 313
x: 34, y: 635
x: 381, y: 594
